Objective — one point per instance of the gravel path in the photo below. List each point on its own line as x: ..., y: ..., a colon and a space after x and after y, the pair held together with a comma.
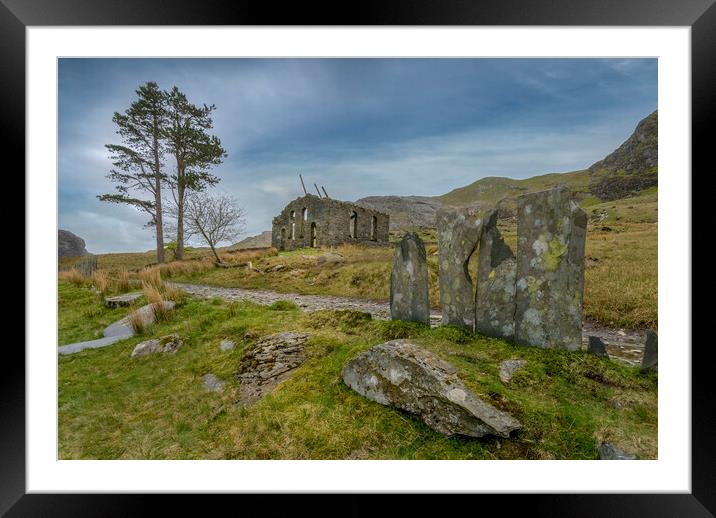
x: 625, y: 345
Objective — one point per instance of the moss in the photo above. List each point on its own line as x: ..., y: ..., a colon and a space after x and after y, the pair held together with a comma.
x: 553, y: 256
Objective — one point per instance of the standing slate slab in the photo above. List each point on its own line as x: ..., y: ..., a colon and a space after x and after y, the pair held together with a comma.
x: 495, y: 299
x: 650, y: 361
x: 459, y: 233
x: 409, y: 299
x: 551, y: 234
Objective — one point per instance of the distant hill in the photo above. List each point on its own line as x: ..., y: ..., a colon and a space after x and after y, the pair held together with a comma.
x: 631, y: 168
x: 70, y: 245
x: 261, y: 240
x: 404, y: 211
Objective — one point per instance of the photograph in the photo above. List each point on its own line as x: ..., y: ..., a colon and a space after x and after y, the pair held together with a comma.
x: 358, y: 258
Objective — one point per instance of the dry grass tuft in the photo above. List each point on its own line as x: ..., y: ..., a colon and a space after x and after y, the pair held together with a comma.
x: 100, y: 280
x: 151, y: 276
x: 137, y: 322
x: 73, y: 276
x: 174, y: 294
x: 152, y: 293
x: 123, y: 285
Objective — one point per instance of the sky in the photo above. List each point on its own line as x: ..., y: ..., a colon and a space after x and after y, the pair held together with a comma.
x: 359, y: 127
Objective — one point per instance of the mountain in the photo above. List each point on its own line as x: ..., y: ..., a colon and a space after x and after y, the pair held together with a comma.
x: 261, y: 240
x: 404, y: 211
x: 631, y: 168
x: 70, y: 245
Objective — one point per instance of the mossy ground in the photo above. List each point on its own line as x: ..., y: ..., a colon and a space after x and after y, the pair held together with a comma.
x: 112, y: 406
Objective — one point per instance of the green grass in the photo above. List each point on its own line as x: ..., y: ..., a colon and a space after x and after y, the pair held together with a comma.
x: 154, y: 407
x: 81, y: 315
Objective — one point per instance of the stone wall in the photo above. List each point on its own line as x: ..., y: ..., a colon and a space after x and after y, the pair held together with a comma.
x: 310, y: 221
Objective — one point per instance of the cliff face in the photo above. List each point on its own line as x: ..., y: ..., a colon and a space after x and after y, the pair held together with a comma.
x: 632, y: 167
x: 70, y: 245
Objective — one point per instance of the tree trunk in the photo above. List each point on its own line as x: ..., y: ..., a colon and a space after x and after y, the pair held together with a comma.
x: 159, y: 227
x: 179, y: 251
x: 218, y: 260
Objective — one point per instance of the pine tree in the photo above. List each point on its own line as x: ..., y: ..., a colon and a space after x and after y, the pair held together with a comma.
x: 138, y: 160
x: 194, y: 150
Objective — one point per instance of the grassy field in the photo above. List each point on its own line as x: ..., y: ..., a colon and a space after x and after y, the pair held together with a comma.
x: 112, y: 406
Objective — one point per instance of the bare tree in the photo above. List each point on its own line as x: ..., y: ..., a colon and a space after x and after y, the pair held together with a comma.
x: 213, y: 218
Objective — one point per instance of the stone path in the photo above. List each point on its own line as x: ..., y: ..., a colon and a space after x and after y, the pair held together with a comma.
x: 624, y: 345
x: 115, y: 332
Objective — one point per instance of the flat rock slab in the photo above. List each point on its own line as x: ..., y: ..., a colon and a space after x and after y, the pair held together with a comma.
x: 271, y: 361
x: 650, y: 361
x: 551, y: 236
x: 146, y: 313
x: 122, y: 300
x: 509, y: 367
x: 496, y: 271
x: 90, y: 344
x: 597, y: 346
x: 608, y: 451
x: 400, y: 374
x: 212, y: 383
x: 458, y: 233
x: 409, y: 297
x: 165, y: 344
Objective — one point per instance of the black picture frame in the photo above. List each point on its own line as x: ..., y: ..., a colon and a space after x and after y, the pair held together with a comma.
x: 700, y: 15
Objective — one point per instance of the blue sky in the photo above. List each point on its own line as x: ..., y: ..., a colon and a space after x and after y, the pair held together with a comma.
x: 360, y: 127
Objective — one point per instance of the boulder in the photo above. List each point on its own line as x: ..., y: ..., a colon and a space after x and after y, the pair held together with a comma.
x: 122, y: 300
x: 271, y: 361
x: 597, y: 346
x: 70, y: 245
x: 608, y: 451
x: 402, y: 375
x: 551, y: 234
x: 165, y: 344
x: 458, y: 233
x: 495, y: 298
x: 650, y: 361
x: 146, y: 313
x: 409, y: 298
x: 509, y: 367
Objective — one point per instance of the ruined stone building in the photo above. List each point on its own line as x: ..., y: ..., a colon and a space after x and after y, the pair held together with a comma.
x: 310, y: 221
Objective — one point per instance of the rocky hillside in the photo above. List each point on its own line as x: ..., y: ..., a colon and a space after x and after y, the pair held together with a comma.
x: 70, y: 245
x: 631, y: 168
x: 262, y: 240
x: 404, y: 211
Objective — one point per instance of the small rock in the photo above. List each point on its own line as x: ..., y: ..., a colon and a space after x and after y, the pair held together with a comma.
x: 509, y: 367
x: 597, y: 346
x: 608, y: 451
x: 226, y: 345
x: 272, y: 360
x: 275, y: 268
x: 122, y: 300
x: 400, y: 374
x: 212, y: 383
x: 650, y: 361
x: 165, y: 344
